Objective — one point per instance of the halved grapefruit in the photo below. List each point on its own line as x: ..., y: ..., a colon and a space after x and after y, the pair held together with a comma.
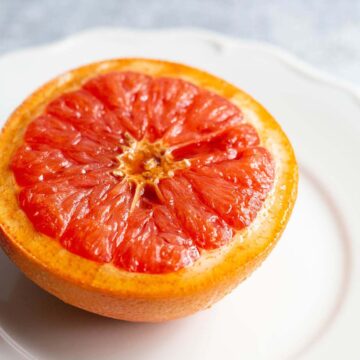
x: 142, y: 190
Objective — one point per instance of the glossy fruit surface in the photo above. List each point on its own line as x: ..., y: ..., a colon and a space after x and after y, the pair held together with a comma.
x: 142, y: 190
x: 143, y: 172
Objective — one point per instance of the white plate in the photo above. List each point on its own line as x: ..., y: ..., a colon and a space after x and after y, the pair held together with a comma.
x: 303, y: 302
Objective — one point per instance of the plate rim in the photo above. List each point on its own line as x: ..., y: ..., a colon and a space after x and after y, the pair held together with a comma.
x: 287, y: 59
x: 285, y: 56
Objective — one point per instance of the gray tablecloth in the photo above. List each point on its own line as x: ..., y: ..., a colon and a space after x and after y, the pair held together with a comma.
x: 326, y: 33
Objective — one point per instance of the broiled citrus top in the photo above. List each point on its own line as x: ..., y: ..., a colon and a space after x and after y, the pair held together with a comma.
x: 142, y: 172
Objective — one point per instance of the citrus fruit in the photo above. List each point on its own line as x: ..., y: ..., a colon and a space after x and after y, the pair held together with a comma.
x: 142, y: 190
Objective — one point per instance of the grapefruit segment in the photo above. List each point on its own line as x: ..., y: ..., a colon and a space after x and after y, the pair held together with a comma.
x: 101, y: 224
x: 33, y: 165
x: 230, y: 202
x: 125, y: 95
x: 204, y: 226
x: 155, y: 242
x: 51, y: 204
x: 241, y: 185
x: 168, y: 105
x: 85, y: 113
x: 49, y: 130
x: 213, y: 148
x: 207, y: 114
x: 253, y: 169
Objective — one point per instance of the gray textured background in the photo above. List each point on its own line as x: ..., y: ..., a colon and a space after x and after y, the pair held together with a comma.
x: 325, y: 33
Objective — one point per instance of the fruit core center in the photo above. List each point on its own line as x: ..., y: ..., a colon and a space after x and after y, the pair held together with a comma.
x: 145, y: 162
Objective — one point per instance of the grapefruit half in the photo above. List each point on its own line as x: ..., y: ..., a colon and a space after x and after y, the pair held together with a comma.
x: 142, y: 190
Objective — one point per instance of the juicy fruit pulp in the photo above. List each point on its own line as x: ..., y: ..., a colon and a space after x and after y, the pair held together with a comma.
x: 142, y: 172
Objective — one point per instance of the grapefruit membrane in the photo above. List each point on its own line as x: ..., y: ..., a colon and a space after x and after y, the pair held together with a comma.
x: 134, y: 185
